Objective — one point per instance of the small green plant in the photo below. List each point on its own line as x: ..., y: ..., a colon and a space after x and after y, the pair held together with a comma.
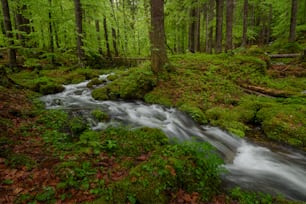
x: 245, y: 197
x: 47, y: 195
x: 99, y: 115
x: 77, y: 126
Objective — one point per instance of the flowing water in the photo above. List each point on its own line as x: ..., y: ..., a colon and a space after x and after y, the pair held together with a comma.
x: 250, y: 166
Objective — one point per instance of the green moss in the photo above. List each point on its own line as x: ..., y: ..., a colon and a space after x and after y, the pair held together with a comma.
x: 195, y: 112
x: 284, y: 123
x: 132, y: 85
x: 227, y: 119
x: 94, y: 82
x: 136, y: 142
x: 158, y: 98
x: 100, y: 94
x: 99, y: 115
x: 193, y: 167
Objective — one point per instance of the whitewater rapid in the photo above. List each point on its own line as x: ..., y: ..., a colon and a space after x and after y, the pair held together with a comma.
x: 249, y: 166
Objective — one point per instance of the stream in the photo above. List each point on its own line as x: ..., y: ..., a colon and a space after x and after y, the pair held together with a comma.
x: 250, y: 166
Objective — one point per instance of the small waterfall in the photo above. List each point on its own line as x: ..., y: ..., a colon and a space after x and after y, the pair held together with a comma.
x: 249, y: 165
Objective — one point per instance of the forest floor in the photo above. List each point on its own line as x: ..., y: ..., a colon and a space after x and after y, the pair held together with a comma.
x: 27, y: 161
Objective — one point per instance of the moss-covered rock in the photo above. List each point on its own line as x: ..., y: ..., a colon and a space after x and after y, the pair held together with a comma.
x: 45, y: 85
x: 132, y: 85
x: 284, y: 123
x: 95, y: 81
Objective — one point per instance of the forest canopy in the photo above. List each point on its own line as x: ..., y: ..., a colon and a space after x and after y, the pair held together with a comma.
x: 94, y: 29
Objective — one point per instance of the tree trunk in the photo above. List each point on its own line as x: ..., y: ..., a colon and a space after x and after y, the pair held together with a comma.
x: 219, y: 23
x: 194, y: 29
x: 79, y: 29
x: 292, y: 34
x: 8, y: 32
x: 229, y: 24
x: 245, y: 23
x: 114, y: 37
x: 269, y: 24
x: 210, y: 27
x: 159, y: 57
x: 22, y: 23
x: 51, y: 35
x: 97, y: 24
x: 108, y: 52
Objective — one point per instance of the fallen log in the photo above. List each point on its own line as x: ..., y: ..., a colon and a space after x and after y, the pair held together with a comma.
x: 264, y: 91
x: 292, y: 55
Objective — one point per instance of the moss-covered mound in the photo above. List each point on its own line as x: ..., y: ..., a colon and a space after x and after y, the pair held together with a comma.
x: 232, y: 92
x: 133, y: 84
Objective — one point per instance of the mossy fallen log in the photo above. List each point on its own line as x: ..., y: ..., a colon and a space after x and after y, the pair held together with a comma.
x: 292, y: 55
x: 264, y: 91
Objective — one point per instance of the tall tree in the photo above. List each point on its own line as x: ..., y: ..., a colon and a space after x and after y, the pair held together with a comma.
x: 9, y: 34
x: 79, y: 29
x: 292, y: 33
x: 219, y: 23
x: 194, y: 28
x: 245, y: 23
x: 159, y: 57
x: 209, y: 26
x: 229, y: 24
x: 108, y: 52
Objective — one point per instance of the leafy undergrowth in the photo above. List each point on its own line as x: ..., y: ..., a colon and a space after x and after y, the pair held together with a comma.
x: 48, y: 156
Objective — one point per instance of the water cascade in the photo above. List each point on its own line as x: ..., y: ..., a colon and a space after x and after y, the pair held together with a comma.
x: 250, y: 166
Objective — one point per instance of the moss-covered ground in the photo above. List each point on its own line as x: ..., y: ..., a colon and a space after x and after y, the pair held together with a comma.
x: 49, y: 156
x: 233, y: 91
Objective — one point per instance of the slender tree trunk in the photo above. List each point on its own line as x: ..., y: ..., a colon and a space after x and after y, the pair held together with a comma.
x: 51, y: 35
x: 22, y: 23
x: 219, y: 23
x: 269, y: 24
x: 292, y: 33
x: 114, y: 37
x: 245, y: 23
x: 229, y: 24
x: 108, y: 52
x: 9, y: 35
x: 210, y: 27
x: 97, y: 24
x: 79, y: 29
x: 194, y: 29
x: 56, y: 35
x: 159, y: 57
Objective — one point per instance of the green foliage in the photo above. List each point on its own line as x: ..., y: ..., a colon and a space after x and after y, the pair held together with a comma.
x: 45, y: 85
x: 195, y: 112
x: 121, y: 141
x: 190, y: 166
x: 132, y: 85
x: 19, y: 161
x: 74, y: 174
x: 227, y: 119
x: 77, y: 126
x: 284, y: 123
x: 244, y: 197
x: 47, y: 195
x: 99, y: 115
x: 94, y: 82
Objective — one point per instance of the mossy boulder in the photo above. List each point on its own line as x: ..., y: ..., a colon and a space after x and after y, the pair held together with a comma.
x: 284, y: 123
x: 45, y: 85
x: 132, y: 85
x: 95, y: 81
x: 227, y: 119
